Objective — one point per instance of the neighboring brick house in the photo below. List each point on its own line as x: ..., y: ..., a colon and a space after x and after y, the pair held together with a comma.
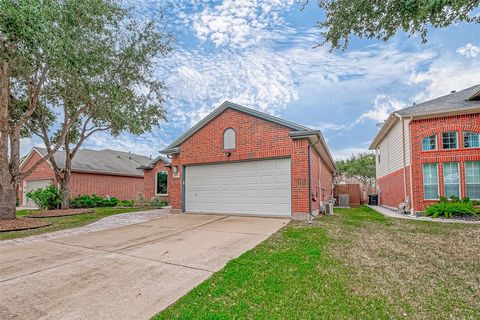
x: 241, y: 161
x: 157, y: 178
x: 104, y: 172
x: 429, y: 150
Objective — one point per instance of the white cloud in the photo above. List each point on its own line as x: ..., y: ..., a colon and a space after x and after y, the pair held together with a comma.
x: 239, y: 23
x: 340, y: 154
x: 382, y: 107
x: 469, y: 50
x: 445, y: 75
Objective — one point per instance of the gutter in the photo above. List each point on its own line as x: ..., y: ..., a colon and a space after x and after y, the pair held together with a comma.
x: 310, y: 214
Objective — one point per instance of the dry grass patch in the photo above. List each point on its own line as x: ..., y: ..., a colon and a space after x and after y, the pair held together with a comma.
x: 423, y: 269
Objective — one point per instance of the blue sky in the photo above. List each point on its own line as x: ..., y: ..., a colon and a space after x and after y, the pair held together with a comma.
x: 260, y: 54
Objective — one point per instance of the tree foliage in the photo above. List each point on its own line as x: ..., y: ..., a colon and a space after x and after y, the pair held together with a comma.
x: 379, y: 19
x: 361, y: 167
x: 71, y: 68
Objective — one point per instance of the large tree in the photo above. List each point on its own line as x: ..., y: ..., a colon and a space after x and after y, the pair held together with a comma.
x: 47, y: 48
x: 361, y: 167
x: 119, y: 90
x: 381, y: 19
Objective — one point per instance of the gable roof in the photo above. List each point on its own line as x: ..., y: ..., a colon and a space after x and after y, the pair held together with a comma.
x: 461, y: 102
x: 234, y: 106
x: 102, y: 161
x: 152, y: 163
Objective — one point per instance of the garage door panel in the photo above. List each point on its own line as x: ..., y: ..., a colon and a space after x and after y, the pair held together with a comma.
x: 255, y: 187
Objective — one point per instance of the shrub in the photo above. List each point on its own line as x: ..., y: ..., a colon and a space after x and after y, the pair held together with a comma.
x: 156, y: 202
x: 46, y: 198
x: 83, y: 201
x: 126, y: 203
x: 449, y: 209
x: 109, y: 202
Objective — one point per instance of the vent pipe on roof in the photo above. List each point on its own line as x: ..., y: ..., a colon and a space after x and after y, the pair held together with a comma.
x: 453, y: 91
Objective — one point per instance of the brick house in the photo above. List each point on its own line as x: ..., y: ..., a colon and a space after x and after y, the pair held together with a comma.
x: 105, y: 173
x: 157, y: 178
x: 241, y: 161
x: 429, y: 150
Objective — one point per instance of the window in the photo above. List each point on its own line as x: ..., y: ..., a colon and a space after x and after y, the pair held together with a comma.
x: 229, y: 139
x: 449, y: 140
x: 429, y: 143
x: 451, y: 179
x: 161, y: 182
x: 471, y: 140
x: 472, y: 179
x: 430, y: 181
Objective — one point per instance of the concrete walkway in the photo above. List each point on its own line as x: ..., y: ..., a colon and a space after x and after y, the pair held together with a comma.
x: 393, y: 214
x: 113, y: 221
x: 131, y: 272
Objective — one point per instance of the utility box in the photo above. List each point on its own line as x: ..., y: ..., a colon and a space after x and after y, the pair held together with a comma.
x: 373, y: 199
x: 344, y: 200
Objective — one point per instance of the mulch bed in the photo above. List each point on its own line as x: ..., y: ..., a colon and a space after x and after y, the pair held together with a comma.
x: 58, y: 213
x: 22, y: 224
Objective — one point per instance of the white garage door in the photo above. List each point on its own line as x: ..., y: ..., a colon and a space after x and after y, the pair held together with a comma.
x: 255, y: 187
x: 33, y: 185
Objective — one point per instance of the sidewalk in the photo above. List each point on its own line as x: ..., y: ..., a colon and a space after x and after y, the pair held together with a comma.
x: 393, y: 214
x: 110, y: 222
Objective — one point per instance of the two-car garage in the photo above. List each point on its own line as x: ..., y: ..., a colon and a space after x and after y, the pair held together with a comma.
x: 261, y: 187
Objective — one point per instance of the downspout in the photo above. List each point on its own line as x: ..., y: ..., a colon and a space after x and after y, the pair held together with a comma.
x: 310, y: 214
x: 404, y: 157
x: 412, y: 208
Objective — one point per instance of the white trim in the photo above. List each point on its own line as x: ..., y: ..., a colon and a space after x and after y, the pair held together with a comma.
x: 465, y: 172
x: 459, y: 180
x: 423, y: 181
x: 156, y: 174
x: 456, y: 136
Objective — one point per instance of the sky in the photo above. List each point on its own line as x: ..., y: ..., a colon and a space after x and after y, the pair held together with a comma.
x: 261, y: 54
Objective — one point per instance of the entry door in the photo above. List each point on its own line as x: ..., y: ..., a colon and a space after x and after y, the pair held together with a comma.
x: 261, y: 187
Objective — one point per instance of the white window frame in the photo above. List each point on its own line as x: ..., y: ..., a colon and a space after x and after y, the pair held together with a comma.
x: 423, y: 181
x: 456, y: 138
x: 459, y: 180
x: 234, y: 138
x: 466, y: 184
x: 156, y: 182
x: 469, y: 132
x: 436, y: 142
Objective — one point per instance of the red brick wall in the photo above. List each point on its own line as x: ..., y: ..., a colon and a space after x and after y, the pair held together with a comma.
x: 122, y: 187
x: 149, y: 179
x: 392, y: 187
x: 44, y: 171
x: 326, y: 181
x: 422, y: 128
x: 255, y: 139
x: 315, y: 179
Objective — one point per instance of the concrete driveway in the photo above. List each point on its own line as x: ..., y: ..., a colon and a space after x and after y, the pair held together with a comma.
x: 130, y: 272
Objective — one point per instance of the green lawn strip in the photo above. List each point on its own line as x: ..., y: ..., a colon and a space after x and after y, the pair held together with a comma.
x: 356, y: 264
x: 67, y: 222
x: 292, y: 275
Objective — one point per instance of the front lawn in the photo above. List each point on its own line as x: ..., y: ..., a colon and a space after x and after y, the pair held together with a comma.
x: 356, y: 264
x: 67, y: 222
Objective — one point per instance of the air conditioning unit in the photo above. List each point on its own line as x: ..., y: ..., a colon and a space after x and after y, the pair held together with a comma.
x: 329, y: 207
x: 344, y: 200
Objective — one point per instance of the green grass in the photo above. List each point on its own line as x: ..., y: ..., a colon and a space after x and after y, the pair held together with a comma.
x: 67, y: 222
x: 356, y: 264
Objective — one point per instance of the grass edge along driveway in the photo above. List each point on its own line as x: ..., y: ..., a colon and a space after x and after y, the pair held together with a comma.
x: 67, y: 222
x: 356, y: 264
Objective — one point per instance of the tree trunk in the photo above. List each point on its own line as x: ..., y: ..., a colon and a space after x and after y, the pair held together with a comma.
x: 8, y: 199
x: 65, y: 191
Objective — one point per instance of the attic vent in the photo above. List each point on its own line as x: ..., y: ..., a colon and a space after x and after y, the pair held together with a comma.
x: 453, y: 91
x: 118, y: 157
